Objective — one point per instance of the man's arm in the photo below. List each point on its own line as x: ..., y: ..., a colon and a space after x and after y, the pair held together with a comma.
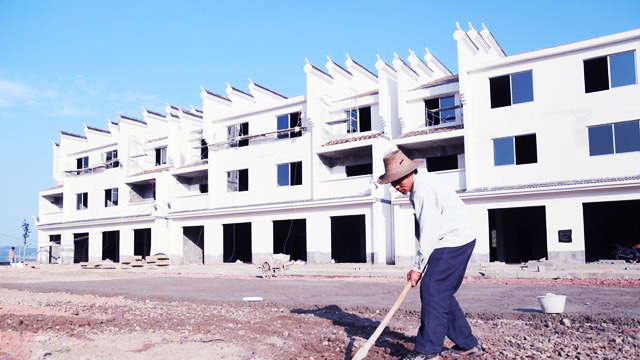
x: 428, y: 217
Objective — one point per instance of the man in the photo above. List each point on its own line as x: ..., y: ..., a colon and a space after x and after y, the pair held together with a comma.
x: 12, y: 255
x: 446, y: 244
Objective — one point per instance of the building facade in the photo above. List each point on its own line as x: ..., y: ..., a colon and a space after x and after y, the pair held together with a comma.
x: 543, y: 147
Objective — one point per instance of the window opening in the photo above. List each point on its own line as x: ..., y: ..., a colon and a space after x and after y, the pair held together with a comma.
x: 111, y: 159
x: 289, y: 121
x: 82, y: 201
x: 359, y: 120
x: 290, y: 174
x: 357, y: 170
x: 516, y: 150
x: 609, y: 71
x: 82, y: 163
x: 440, y: 110
x: 441, y: 163
x: 511, y: 89
x: 238, y: 180
x: 204, y: 150
x: 111, y: 197
x: 237, y: 130
x: 161, y: 156
x: 614, y: 138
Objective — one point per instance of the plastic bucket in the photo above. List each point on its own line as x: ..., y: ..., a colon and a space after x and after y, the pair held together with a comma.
x: 552, y: 303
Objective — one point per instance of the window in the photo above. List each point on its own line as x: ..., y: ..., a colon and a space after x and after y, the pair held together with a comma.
x: 161, y: 156
x: 440, y: 110
x: 237, y: 130
x: 238, y: 180
x: 511, y: 89
x: 515, y: 150
x: 111, y: 159
x: 614, y: 138
x: 290, y: 174
x: 204, y: 149
x: 289, y: 121
x: 82, y: 163
x: 111, y: 197
x: 203, y: 188
x: 605, y: 72
x: 357, y: 170
x: 359, y: 120
x: 441, y: 163
x: 82, y: 201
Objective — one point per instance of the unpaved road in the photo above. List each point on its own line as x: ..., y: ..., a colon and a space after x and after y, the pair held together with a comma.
x: 87, y: 315
x: 476, y: 295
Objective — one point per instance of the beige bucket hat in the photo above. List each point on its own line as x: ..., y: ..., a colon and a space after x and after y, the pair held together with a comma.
x: 396, y: 165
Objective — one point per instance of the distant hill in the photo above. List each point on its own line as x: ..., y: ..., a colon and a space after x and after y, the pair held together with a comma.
x: 32, y: 253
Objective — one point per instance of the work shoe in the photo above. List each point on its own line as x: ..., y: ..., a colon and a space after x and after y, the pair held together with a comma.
x: 419, y: 356
x: 458, y: 351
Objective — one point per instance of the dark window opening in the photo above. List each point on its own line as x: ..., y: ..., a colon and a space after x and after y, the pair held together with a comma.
x: 359, y: 120
x: 142, y: 242
x: 236, y: 242
x: 237, y: 130
x: 82, y: 201
x: 441, y: 163
x: 111, y: 159
x: 609, y: 226
x: 54, y: 248
x: 203, y: 188
x: 500, y: 89
x: 193, y: 244
x: 111, y: 246
x: 161, y: 156
x: 365, y: 119
x: 596, y: 75
x: 517, y: 235
x: 348, y: 239
x: 238, y: 180
x: 290, y: 237
x: 357, y: 170
x: 142, y: 192
x: 80, y: 247
x: 204, y: 150
x: 111, y: 197
x: 82, y: 163
x: 526, y: 150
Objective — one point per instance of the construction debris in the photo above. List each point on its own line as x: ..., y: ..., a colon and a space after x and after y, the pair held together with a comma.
x: 129, y: 262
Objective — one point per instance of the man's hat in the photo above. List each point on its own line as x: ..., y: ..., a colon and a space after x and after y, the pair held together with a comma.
x: 396, y: 165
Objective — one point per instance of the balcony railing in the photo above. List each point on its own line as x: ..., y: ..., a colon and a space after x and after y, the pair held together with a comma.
x: 190, y: 202
x: 343, y: 187
x: 444, y: 117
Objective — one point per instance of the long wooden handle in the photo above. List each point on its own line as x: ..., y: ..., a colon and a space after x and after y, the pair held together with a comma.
x: 364, y: 350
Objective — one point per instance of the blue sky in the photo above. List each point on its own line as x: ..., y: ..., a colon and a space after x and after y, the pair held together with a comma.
x: 67, y: 63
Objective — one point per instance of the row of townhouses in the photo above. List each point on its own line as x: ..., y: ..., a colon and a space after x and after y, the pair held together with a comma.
x: 543, y: 147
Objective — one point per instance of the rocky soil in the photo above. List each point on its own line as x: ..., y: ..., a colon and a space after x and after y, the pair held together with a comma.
x: 56, y: 325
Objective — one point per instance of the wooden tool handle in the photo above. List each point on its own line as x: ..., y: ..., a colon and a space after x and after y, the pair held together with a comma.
x: 364, y: 350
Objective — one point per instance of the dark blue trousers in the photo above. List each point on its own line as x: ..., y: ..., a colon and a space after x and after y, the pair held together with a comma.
x: 441, y: 313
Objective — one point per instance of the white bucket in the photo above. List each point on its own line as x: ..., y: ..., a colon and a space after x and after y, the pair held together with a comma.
x: 552, y: 303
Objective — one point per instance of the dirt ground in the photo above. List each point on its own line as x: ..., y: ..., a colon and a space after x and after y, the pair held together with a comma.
x: 93, y: 320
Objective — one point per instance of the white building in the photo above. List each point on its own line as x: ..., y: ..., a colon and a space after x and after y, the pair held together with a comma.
x: 544, y: 147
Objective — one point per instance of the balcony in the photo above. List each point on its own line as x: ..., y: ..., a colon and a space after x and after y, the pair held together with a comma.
x: 455, y: 178
x: 190, y: 202
x: 51, y: 218
x: 345, y: 187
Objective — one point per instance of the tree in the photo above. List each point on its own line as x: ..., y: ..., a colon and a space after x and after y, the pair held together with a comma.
x: 26, y: 231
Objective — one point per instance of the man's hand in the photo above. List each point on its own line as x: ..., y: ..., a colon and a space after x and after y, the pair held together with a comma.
x: 413, y: 277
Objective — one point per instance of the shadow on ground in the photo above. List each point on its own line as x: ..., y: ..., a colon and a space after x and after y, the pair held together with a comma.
x: 356, y: 326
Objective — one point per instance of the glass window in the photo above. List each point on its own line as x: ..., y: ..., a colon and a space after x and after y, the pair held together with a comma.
x: 503, y: 151
x: 82, y: 163
x: 623, y: 69
x: 295, y: 121
x: 600, y: 140
x: 521, y: 87
x: 447, y: 111
x: 283, y: 123
x: 290, y: 174
x: 283, y: 174
x: 627, y: 136
x: 352, y: 125
x: 111, y: 197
